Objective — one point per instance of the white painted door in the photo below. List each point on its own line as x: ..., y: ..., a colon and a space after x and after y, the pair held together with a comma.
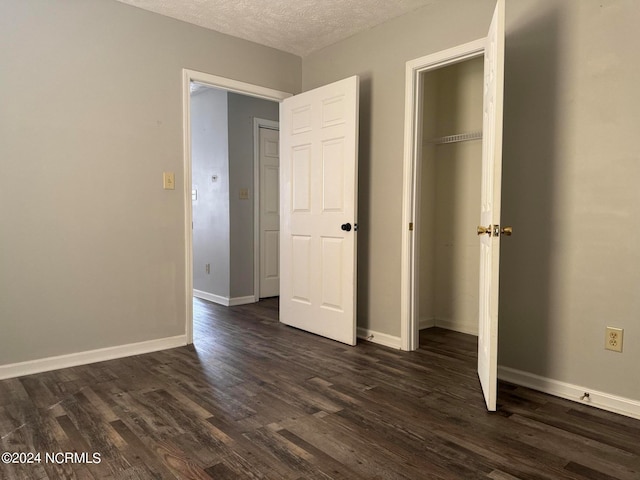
x: 318, y: 172
x: 490, y: 207
x: 269, y: 212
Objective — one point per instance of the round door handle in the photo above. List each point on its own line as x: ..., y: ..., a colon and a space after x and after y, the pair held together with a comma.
x: 508, y: 231
x: 346, y: 227
x: 484, y: 230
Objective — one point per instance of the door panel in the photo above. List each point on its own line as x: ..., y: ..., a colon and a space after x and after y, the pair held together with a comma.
x: 271, y: 262
x: 332, y: 265
x: 301, y: 178
x: 333, y: 175
x: 300, y: 269
x: 318, y: 177
x: 490, y: 207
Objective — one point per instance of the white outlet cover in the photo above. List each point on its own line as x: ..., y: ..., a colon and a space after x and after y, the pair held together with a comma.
x: 613, y: 339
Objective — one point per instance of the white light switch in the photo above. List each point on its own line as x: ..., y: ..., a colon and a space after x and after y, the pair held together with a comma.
x: 169, y: 181
x: 244, y: 194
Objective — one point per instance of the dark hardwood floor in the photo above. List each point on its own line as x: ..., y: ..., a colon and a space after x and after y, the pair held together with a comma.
x: 255, y: 399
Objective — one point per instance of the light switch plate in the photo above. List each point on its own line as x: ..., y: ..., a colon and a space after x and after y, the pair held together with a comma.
x: 169, y: 181
x: 244, y: 194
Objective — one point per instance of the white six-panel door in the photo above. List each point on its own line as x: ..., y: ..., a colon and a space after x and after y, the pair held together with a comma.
x: 318, y: 174
x: 269, y: 164
x: 490, y: 207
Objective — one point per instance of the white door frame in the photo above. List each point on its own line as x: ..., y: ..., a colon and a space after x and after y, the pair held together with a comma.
x: 258, y: 123
x: 411, y: 189
x: 230, y: 85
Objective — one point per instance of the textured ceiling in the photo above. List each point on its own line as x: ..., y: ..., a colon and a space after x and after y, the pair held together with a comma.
x: 296, y: 26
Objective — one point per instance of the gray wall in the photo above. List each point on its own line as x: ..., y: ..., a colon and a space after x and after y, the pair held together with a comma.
x: 242, y: 111
x: 570, y: 186
x: 570, y: 179
x: 92, y: 248
x: 209, y: 157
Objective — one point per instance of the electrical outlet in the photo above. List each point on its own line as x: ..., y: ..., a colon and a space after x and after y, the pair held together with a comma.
x: 613, y: 339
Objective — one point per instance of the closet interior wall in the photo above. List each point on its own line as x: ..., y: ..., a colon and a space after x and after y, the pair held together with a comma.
x: 450, y: 198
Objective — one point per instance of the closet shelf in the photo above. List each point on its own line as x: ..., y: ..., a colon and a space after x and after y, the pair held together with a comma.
x: 461, y: 137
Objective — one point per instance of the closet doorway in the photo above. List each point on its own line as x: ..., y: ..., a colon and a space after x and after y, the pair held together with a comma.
x: 449, y: 196
x: 435, y: 204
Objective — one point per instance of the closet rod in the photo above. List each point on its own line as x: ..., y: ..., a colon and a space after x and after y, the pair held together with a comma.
x: 461, y: 137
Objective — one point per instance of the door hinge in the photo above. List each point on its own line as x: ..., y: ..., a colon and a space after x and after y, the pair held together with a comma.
x: 411, y: 226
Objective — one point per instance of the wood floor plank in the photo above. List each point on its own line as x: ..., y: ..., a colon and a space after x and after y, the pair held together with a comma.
x: 325, y: 463
x: 220, y: 471
x: 101, y: 470
x: 249, y: 459
x: 137, y: 452
x: 255, y: 399
x: 178, y: 462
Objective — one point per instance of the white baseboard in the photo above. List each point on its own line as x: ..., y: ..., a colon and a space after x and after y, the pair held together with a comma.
x: 447, y: 324
x: 426, y: 323
x: 233, y: 301
x: 602, y: 400
x: 380, y: 338
x: 211, y: 297
x: 471, y: 329
x: 92, y: 356
x: 226, y: 301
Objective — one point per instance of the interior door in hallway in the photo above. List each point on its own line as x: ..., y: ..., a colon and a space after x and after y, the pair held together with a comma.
x: 269, y: 212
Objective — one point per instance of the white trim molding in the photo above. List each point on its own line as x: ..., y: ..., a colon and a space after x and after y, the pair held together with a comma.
x: 211, y: 297
x: 449, y: 325
x: 379, y: 338
x: 91, y: 356
x: 233, y: 301
x: 466, y: 328
x: 568, y: 391
x: 226, y: 301
x: 426, y: 322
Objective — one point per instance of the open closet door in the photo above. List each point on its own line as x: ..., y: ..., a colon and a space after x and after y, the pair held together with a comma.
x: 318, y: 174
x: 489, y: 228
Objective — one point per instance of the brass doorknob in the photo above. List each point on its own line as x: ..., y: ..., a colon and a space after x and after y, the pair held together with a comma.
x: 506, y: 231
x: 484, y: 230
